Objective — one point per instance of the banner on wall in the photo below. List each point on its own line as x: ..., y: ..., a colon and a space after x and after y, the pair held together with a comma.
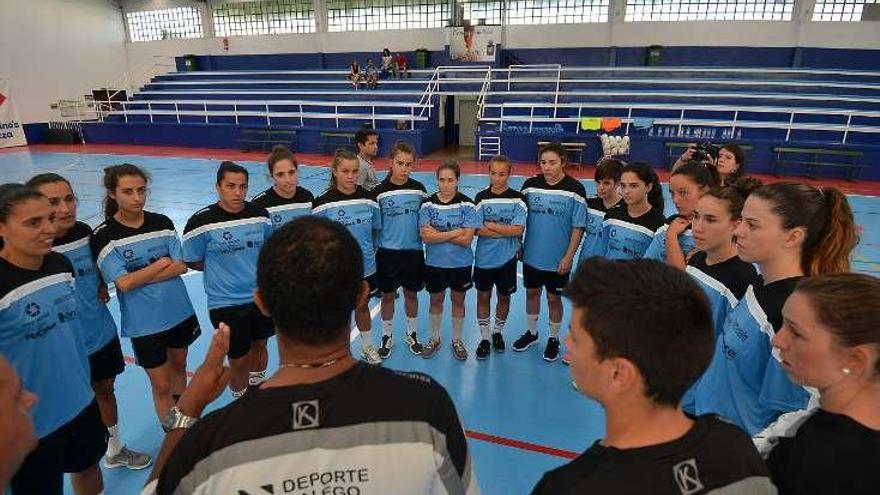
x: 11, y: 130
x: 473, y: 43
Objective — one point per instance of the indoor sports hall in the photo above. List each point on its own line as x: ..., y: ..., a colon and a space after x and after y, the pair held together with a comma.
x: 178, y: 86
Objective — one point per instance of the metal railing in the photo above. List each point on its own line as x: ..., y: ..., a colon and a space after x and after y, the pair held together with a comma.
x: 484, y: 91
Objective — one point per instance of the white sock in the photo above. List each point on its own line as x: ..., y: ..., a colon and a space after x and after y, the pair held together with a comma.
x: 366, y: 338
x: 457, y: 327
x: 386, y: 327
x: 256, y: 377
x: 554, y: 328
x: 238, y: 393
x: 435, y: 325
x: 484, y: 327
x: 114, y: 443
x: 532, y: 321
x: 411, y: 325
x: 499, y: 325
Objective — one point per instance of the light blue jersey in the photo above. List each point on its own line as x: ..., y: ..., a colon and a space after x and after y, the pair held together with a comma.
x: 229, y: 245
x: 282, y: 210
x: 592, y: 244
x: 400, y: 205
x: 744, y: 382
x: 554, y: 212
x: 40, y: 336
x: 360, y: 214
x: 627, y: 238
x: 507, y: 208
x: 459, y: 213
x: 657, y: 249
x: 96, y: 324
x: 120, y: 250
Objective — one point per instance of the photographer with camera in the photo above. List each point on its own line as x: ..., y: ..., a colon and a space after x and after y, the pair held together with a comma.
x: 727, y: 162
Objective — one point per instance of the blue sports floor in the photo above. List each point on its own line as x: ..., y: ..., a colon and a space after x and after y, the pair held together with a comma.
x: 521, y: 414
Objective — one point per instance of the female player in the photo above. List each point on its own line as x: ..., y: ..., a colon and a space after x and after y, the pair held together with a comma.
x: 140, y: 253
x: 447, y: 222
x: 97, y: 328
x: 555, y: 226
x: 400, y: 259
x: 830, y: 341
x: 39, y: 335
x: 607, y: 178
x: 285, y: 200
x: 789, y: 230
x: 504, y: 212
x: 353, y: 206
x: 674, y: 241
x: 628, y: 230
x: 223, y: 240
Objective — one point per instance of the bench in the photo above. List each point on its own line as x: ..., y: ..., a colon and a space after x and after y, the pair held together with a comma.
x: 331, y: 141
x: 674, y: 149
x: 573, y: 149
x: 264, y: 138
x: 809, y: 161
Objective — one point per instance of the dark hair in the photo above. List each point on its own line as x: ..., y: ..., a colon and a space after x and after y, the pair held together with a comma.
x: 501, y: 159
x: 609, y: 168
x: 740, y: 156
x: 450, y: 165
x: 848, y: 305
x: 555, y: 147
x: 112, y: 175
x: 697, y: 172
x: 47, y: 178
x: 673, y: 321
x: 364, y: 133
x: 338, y: 157
x: 386, y: 51
x: 309, y: 275
x: 827, y: 217
x: 227, y: 167
x: 734, y: 195
x: 647, y: 175
x: 279, y: 153
x: 13, y: 194
x: 401, y: 147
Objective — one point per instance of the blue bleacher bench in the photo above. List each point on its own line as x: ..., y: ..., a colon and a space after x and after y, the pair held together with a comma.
x: 809, y: 161
x: 264, y: 138
x: 331, y: 141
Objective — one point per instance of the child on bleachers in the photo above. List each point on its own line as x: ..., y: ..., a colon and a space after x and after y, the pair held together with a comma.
x: 354, y: 74
x: 372, y: 75
x: 388, y: 65
x: 402, y: 65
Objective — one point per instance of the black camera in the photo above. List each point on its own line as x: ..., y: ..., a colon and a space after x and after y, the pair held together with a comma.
x: 705, y: 152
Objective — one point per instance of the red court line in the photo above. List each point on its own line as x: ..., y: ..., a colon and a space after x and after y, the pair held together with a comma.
x: 485, y: 437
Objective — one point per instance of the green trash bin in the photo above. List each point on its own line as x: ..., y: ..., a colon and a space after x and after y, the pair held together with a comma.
x: 422, y: 58
x: 654, y: 55
x: 190, y: 63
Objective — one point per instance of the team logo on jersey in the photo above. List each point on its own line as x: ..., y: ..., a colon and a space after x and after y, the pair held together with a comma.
x: 276, y: 218
x: 390, y: 203
x: 32, y: 310
x: 488, y: 210
x: 340, y: 213
x: 687, y: 477
x: 227, y: 236
x: 128, y: 254
x: 305, y: 415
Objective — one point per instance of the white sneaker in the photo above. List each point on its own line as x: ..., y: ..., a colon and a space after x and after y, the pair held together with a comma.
x: 370, y: 355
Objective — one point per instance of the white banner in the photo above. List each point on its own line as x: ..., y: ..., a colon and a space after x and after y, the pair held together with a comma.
x: 473, y: 43
x: 11, y: 130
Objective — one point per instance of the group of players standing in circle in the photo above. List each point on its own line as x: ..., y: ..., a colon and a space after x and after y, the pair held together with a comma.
x: 725, y: 226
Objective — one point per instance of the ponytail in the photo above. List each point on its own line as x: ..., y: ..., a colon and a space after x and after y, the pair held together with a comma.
x: 647, y: 175
x: 112, y: 175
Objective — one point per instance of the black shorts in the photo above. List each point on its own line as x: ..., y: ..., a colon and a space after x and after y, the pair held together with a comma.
x: 151, y: 351
x: 74, y: 447
x: 552, y: 281
x: 503, y: 278
x: 440, y: 279
x: 246, y: 325
x: 396, y: 268
x: 107, y: 362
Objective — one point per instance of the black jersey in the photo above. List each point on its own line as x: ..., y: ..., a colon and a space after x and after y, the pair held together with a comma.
x: 368, y: 430
x: 712, y: 455
x: 827, y: 454
x: 282, y: 210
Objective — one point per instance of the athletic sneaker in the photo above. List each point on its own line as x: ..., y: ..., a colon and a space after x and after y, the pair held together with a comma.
x: 128, y: 458
x: 385, y: 348
x: 566, y: 358
x: 483, y: 349
x: 458, y: 350
x: 551, y: 352
x: 525, y: 341
x: 497, y: 342
x: 412, y: 340
x: 368, y: 352
x: 431, y: 347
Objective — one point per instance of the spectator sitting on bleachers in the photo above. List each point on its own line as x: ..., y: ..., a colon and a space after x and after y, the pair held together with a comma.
x: 354, y: 74
x: 372, y: 75
x: 402, y: 65
x: 388, y: 65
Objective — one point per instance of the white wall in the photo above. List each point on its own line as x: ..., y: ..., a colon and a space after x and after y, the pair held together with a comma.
x: 59, y: 49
